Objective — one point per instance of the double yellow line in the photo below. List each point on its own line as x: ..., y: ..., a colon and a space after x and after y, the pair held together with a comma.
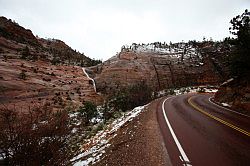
x: 217, y: 119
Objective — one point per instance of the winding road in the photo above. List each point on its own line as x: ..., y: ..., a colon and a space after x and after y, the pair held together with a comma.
x: 199, y: 132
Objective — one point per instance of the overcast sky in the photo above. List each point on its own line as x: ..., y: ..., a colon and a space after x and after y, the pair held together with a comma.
x: 100, y: 27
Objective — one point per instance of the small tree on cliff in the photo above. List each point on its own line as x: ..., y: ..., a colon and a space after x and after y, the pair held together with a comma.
x: 240, y: 59
x: 23, y: 75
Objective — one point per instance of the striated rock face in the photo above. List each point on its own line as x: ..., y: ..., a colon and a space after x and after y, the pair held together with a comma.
x: 41, y: 83
x: 181, y: 64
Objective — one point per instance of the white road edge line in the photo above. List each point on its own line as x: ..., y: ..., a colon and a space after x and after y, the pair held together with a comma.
x: 227, y: 108
x: 183, y: 154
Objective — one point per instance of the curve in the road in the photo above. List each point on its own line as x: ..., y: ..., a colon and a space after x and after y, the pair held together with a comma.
x: 210, y: 100
x: 206, y: 141
x: 217, y: 119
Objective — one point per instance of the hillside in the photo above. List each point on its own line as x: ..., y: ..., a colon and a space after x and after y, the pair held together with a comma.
x: 35, y: 71
x: 18, y: 42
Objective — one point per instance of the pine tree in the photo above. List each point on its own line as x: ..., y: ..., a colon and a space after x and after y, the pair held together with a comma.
x: 240, y: 58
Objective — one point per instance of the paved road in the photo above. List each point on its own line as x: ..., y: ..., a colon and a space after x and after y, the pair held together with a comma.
x: 197, y: 132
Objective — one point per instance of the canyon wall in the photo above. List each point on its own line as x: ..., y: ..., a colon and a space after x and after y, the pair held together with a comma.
x: 176, y: 65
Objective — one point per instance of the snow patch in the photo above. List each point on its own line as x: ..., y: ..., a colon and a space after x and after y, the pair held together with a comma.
x: 184, y: 90
x: 94, y: 149
x: 207, y: 90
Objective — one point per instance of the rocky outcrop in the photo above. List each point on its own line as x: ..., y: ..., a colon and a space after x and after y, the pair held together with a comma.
x: 182, y: 64
x: 235, y: 93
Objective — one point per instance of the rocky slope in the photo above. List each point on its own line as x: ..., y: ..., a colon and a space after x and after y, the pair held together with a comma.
x: 141, y: 138
x: 163, y: 66
x: 36, y: 71
x: 235, y: 93
x: 18, y: 42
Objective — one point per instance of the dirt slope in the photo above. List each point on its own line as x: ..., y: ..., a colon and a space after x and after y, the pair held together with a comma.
x: 138, y: 143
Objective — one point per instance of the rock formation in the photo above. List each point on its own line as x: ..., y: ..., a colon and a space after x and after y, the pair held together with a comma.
x: 167, y: 66
x: 235, y: 93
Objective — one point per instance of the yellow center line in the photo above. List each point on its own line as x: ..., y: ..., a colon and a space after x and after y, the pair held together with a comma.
x: 217, y: 119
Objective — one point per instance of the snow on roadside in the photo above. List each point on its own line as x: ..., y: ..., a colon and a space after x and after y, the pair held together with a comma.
x: 183, y: 90
x: 204, y: 89
x: 93, y: 150
x: 211, y: 90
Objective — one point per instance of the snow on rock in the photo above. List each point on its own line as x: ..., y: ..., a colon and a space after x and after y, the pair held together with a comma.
x: 93, y: 150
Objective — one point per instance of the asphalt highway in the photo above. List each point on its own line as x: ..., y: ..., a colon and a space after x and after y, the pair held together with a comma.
x: 198, y: 132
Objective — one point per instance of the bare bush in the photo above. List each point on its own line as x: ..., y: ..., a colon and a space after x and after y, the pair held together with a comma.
x: 35, y: 137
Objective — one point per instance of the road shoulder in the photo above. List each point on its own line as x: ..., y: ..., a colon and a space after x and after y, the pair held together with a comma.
x: 138, y: 143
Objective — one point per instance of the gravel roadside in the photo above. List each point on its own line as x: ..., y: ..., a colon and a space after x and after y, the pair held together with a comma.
x: 138, y: 143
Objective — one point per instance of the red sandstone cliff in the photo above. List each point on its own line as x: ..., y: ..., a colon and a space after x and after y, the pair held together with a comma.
x: 181, y: 64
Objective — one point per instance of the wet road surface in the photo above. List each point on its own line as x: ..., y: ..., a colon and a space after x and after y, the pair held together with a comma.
x: 198, y: 132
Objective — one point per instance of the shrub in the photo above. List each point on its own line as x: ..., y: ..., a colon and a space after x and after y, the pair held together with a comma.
x: 88, y: 111
x: 35, y: 70
x: 25, y: 53
x: 107, y: 112
x: 120, y: 101
x: 23, y: 75
x: 5, y: 57
x: 35, y: 137
x: 55, y: 60
x: 134, y: 95
x: 52, y: 74
x: 140, y: 94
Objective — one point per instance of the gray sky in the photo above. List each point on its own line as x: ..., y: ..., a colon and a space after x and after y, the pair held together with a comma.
x: 100, y: 27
